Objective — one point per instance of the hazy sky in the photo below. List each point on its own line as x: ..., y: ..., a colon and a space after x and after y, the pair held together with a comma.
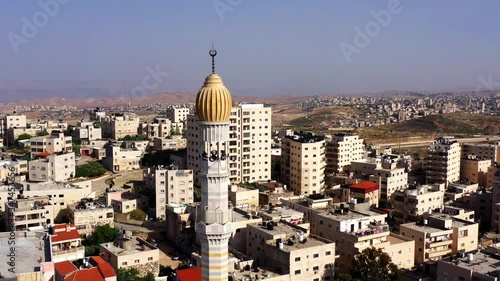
x: 265, y: 47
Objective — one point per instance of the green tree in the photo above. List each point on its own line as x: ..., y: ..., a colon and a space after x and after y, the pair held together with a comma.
x: 132, y: 274
x: 96, y: 124
x: 69, y: 130
x: 374, y: 265
x: 183, y: 265
x: 101, y: 234
x: 138, y: 214
x: 128, y: 274
x: 24, y: 137
x: 92, y: 169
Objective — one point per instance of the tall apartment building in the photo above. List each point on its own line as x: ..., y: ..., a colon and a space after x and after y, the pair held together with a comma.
x: 56, y: 142
x: 341, y: 150
x: 443, y: 161
x: 390, y: 178
x: 475, y: 170
x: 441, y: 235
x: 494, y: 179
x: 482, y: 151
x: 53, y: 167
x: 412, y: 203
x: 170, y: 185
x: 249, y: 143
x: 303, y: 163
x: 119, y: 125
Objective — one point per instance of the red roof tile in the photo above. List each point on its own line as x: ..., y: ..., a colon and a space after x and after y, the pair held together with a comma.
x: 105, y: 268
x: 65, y: 267
x: 190, y: 274
x: 62, y: 235
x: 364, y: 187
x: 91, y: 274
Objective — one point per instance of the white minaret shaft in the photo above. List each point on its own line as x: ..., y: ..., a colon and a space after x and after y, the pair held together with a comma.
x: 213, y: 106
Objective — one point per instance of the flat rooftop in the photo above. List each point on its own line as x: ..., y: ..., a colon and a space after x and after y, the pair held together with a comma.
x: 27, y: 251
x: 136, y: 247
x: 424, y: 228
x: 481, y: 263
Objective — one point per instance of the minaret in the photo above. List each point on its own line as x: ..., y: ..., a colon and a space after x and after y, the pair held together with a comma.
x: 213, y: 107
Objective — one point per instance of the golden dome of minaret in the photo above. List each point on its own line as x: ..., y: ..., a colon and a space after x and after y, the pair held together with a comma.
x: 213, y: 102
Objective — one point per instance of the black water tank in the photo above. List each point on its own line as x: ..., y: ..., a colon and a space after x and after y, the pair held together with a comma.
x: 51, y: 230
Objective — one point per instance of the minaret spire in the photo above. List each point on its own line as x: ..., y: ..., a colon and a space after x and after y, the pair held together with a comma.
x: 213, y: 53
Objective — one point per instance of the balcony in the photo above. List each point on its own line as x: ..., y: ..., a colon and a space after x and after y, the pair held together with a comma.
x: 67, y: 251
x: 443, y: 242
x: 371, y: 232
x: 433, y: 253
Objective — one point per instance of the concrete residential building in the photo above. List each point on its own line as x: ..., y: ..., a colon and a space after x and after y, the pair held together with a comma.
x: 120, y: 159
x: 469, y: 267
x: 389, y: 178
x: 244, y: 198
x: 291, y: 249
x: 475, y: 170
x: 59, y: 194
x: 119, y: 125
x: 34, y: 213
x: 170, y: 185
x: 87, y: 131
x: 55, y: 143
x: 87, y: 215
x: 443, y: 161
x: 53, y: 167
x: 441, y: 235
x: 411, y: 204
x: 341, y: 150
x: 249, y: 143
x: 12, y: 121
x: 126, y: 201
x: 482, y: 151
x: 494, y: 178
x: 303, y: 163
x: 132, y: 252
x: 169, y: 143
x: 365, y: 192
x: 65, y: 243
x: 353, y: 231
x: 178, y: 114
x: 159, y: 128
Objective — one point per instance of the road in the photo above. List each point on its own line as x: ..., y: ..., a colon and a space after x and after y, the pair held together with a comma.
x: 426, y: 143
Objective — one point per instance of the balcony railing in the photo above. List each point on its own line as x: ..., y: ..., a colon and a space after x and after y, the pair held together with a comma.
x: 373, y: 229
x: 71, y: 250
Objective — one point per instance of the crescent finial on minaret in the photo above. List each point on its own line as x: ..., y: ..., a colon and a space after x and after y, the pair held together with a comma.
x: 213, y: 53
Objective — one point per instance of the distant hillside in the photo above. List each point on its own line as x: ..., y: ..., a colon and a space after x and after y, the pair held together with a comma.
x: 458, y: 124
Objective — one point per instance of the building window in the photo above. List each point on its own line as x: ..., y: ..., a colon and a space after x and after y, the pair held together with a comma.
x: 150, y: 258
x: 136, y: 261
x: 124, y: 263
x: 297, y: 259
x: 297, y: 272
x: 315, y: 255
x: 328, y: 253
